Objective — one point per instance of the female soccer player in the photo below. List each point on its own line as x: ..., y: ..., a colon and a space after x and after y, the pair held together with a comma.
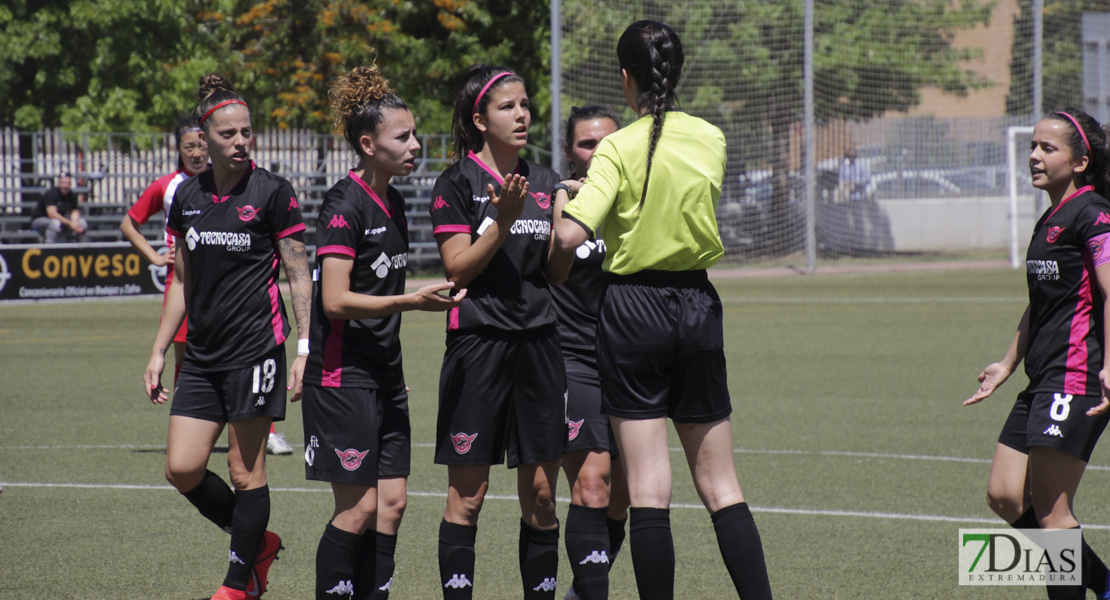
x: 192, y: 158
x: 502, y: 381
x: 355, y: 408
x: 234, y: 224
x: 596, y: 517
x: 652, y: 192
x: 1053, y: 427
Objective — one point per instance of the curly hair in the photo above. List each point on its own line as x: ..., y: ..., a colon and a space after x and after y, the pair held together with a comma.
x: 358, y: 101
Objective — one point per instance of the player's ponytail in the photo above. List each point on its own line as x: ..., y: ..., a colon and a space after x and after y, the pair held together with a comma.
x: 651, y: 53
x: 1086, y: 137
x: 214, y: 91
x: 358, y: 100
x: 478, y: 83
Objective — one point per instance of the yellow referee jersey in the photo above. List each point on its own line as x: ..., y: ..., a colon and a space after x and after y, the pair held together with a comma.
x: 675, y: 229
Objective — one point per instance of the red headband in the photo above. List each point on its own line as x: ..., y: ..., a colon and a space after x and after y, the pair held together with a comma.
x: 485, y: 88
x: 1081, y: 134
x: 221, y: 105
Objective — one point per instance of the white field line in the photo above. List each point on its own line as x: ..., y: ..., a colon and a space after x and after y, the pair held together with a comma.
x: 863, y: 514
x: 873, y: 300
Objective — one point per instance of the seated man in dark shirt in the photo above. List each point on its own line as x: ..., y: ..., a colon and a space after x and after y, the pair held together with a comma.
x: 59, y: 214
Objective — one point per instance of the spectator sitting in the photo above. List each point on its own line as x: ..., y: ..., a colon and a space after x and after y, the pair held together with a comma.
x: 854, y: 176
x: 58, y: 213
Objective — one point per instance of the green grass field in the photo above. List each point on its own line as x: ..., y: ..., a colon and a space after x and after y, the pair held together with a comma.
x: 852, y: 448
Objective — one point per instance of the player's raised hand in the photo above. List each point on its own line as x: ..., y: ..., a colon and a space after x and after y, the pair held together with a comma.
x: 510, y: 203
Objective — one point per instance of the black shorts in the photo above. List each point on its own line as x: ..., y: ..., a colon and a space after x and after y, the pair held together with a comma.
x: 660, y: 346
x: 587, y: 428
x: 1057, y: 421
x: 355, y: 435
x: 501, y: 394
x: 229, y: 396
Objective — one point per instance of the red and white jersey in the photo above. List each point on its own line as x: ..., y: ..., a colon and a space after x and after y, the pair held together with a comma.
x: 157, y: 197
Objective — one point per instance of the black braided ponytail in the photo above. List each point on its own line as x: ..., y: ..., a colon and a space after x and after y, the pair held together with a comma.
x: 652, y: 55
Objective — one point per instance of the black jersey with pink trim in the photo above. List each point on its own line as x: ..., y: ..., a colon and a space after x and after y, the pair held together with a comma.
x: 356, y: 223
x: 236, y: 314
x: 1064, y: 351
x: 511, y: 294
x: 578, y: 300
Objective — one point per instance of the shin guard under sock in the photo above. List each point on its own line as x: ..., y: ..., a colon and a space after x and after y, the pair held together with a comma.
x: 587, y: 542
x: 649, y: 533
x: 742, y: 550
x: 539, y: 561
x: 248, y: 525
x: 214, y: 499
x: 456, y: 560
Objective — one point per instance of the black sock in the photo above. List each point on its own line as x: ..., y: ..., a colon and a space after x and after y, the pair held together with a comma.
x: 649, y: 533
x: 539, y: 561
x: 335, y: 563
x: 1094, y: 571
x: 456, y: 560
x: 587, y: 542
x: 738, y: 539
x: 1027, y: 520
x: 248, y: 525
x: 616, y: 537
x: 214, y: 499
x: 1067, y: 592
x: 385, y: 547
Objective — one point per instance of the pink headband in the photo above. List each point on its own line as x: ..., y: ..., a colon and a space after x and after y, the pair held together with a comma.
x: 1081, y: 134
x: 221, y: 105
x: 486, y: 87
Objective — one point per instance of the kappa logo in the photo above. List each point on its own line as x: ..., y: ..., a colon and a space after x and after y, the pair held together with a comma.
x: 232, y: 557
x: 293, y: 203
x: 343, y: 588
x: 1103, y: 219
x: 388, y: 585
x: 458, y: 582
x: 338, y: 221
x: 543, y: 200
x: 246, y: 213
x: 1054, y: 233
x: 548, y: 585
x: 440, y: 203
x: 1053, y: 430
x: 261, y: 401
x: 597, y: 557
x: 573, y: 427
x: 463, y: 442
x: 350, y: 458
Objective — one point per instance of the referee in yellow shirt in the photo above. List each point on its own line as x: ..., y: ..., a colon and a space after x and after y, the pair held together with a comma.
x: 660, y: 335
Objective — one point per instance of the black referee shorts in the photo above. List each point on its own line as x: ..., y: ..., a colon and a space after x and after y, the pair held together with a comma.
x: 660, y: 345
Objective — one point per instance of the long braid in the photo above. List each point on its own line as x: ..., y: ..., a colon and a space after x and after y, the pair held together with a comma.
x: 657, y: 96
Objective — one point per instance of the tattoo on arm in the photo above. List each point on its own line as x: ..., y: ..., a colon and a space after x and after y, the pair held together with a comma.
x: 300, y: 283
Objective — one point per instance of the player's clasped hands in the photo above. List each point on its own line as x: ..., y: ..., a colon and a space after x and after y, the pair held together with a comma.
x: 510, y: 204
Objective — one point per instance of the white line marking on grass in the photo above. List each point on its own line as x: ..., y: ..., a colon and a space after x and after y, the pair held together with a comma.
x: 874, y: 300
x: 863, y: 514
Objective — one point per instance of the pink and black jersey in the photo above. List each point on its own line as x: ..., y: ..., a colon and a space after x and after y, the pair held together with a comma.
x: 157, y: 198
x: 1064, y: 352
x: 235, y: 310
x: 578, y: 301
x: 356, y: 223
x: 511, y: 294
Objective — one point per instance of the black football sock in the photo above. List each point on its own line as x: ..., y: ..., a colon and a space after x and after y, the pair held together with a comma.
x: 539, y: 561
x: 456, y: 560
x: 248, y: 525
x: 587, y: 542
x: 1067, y: 592
x: 385, y: 546
x: 649, y: 533
x: 335, y: 563
x: 214, y: 499
x: 616, y: 537
x: 1027, y: 520
x: 742, y: 550
x: 1094, y: 571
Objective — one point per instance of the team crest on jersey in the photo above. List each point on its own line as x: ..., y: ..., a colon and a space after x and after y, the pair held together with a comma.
x: 462, y: 442
x: 350, y: 458
x: 543, y: 200
x: 573, y: 427
x: 246, y: 213
x: 1054, y: 233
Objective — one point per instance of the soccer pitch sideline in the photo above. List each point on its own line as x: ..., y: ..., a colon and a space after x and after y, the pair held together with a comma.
x: 852, y: 448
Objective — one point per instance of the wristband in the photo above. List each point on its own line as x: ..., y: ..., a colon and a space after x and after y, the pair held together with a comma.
x: 562, y: 186
x: 302, y: 347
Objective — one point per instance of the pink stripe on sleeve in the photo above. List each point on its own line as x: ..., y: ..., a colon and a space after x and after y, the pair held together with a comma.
x: 275, y: 307
x: 290, y: 231
x: 1075, y: 376
x: 336, y: 249
x: 332, y: 375
x: 452, y: 229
